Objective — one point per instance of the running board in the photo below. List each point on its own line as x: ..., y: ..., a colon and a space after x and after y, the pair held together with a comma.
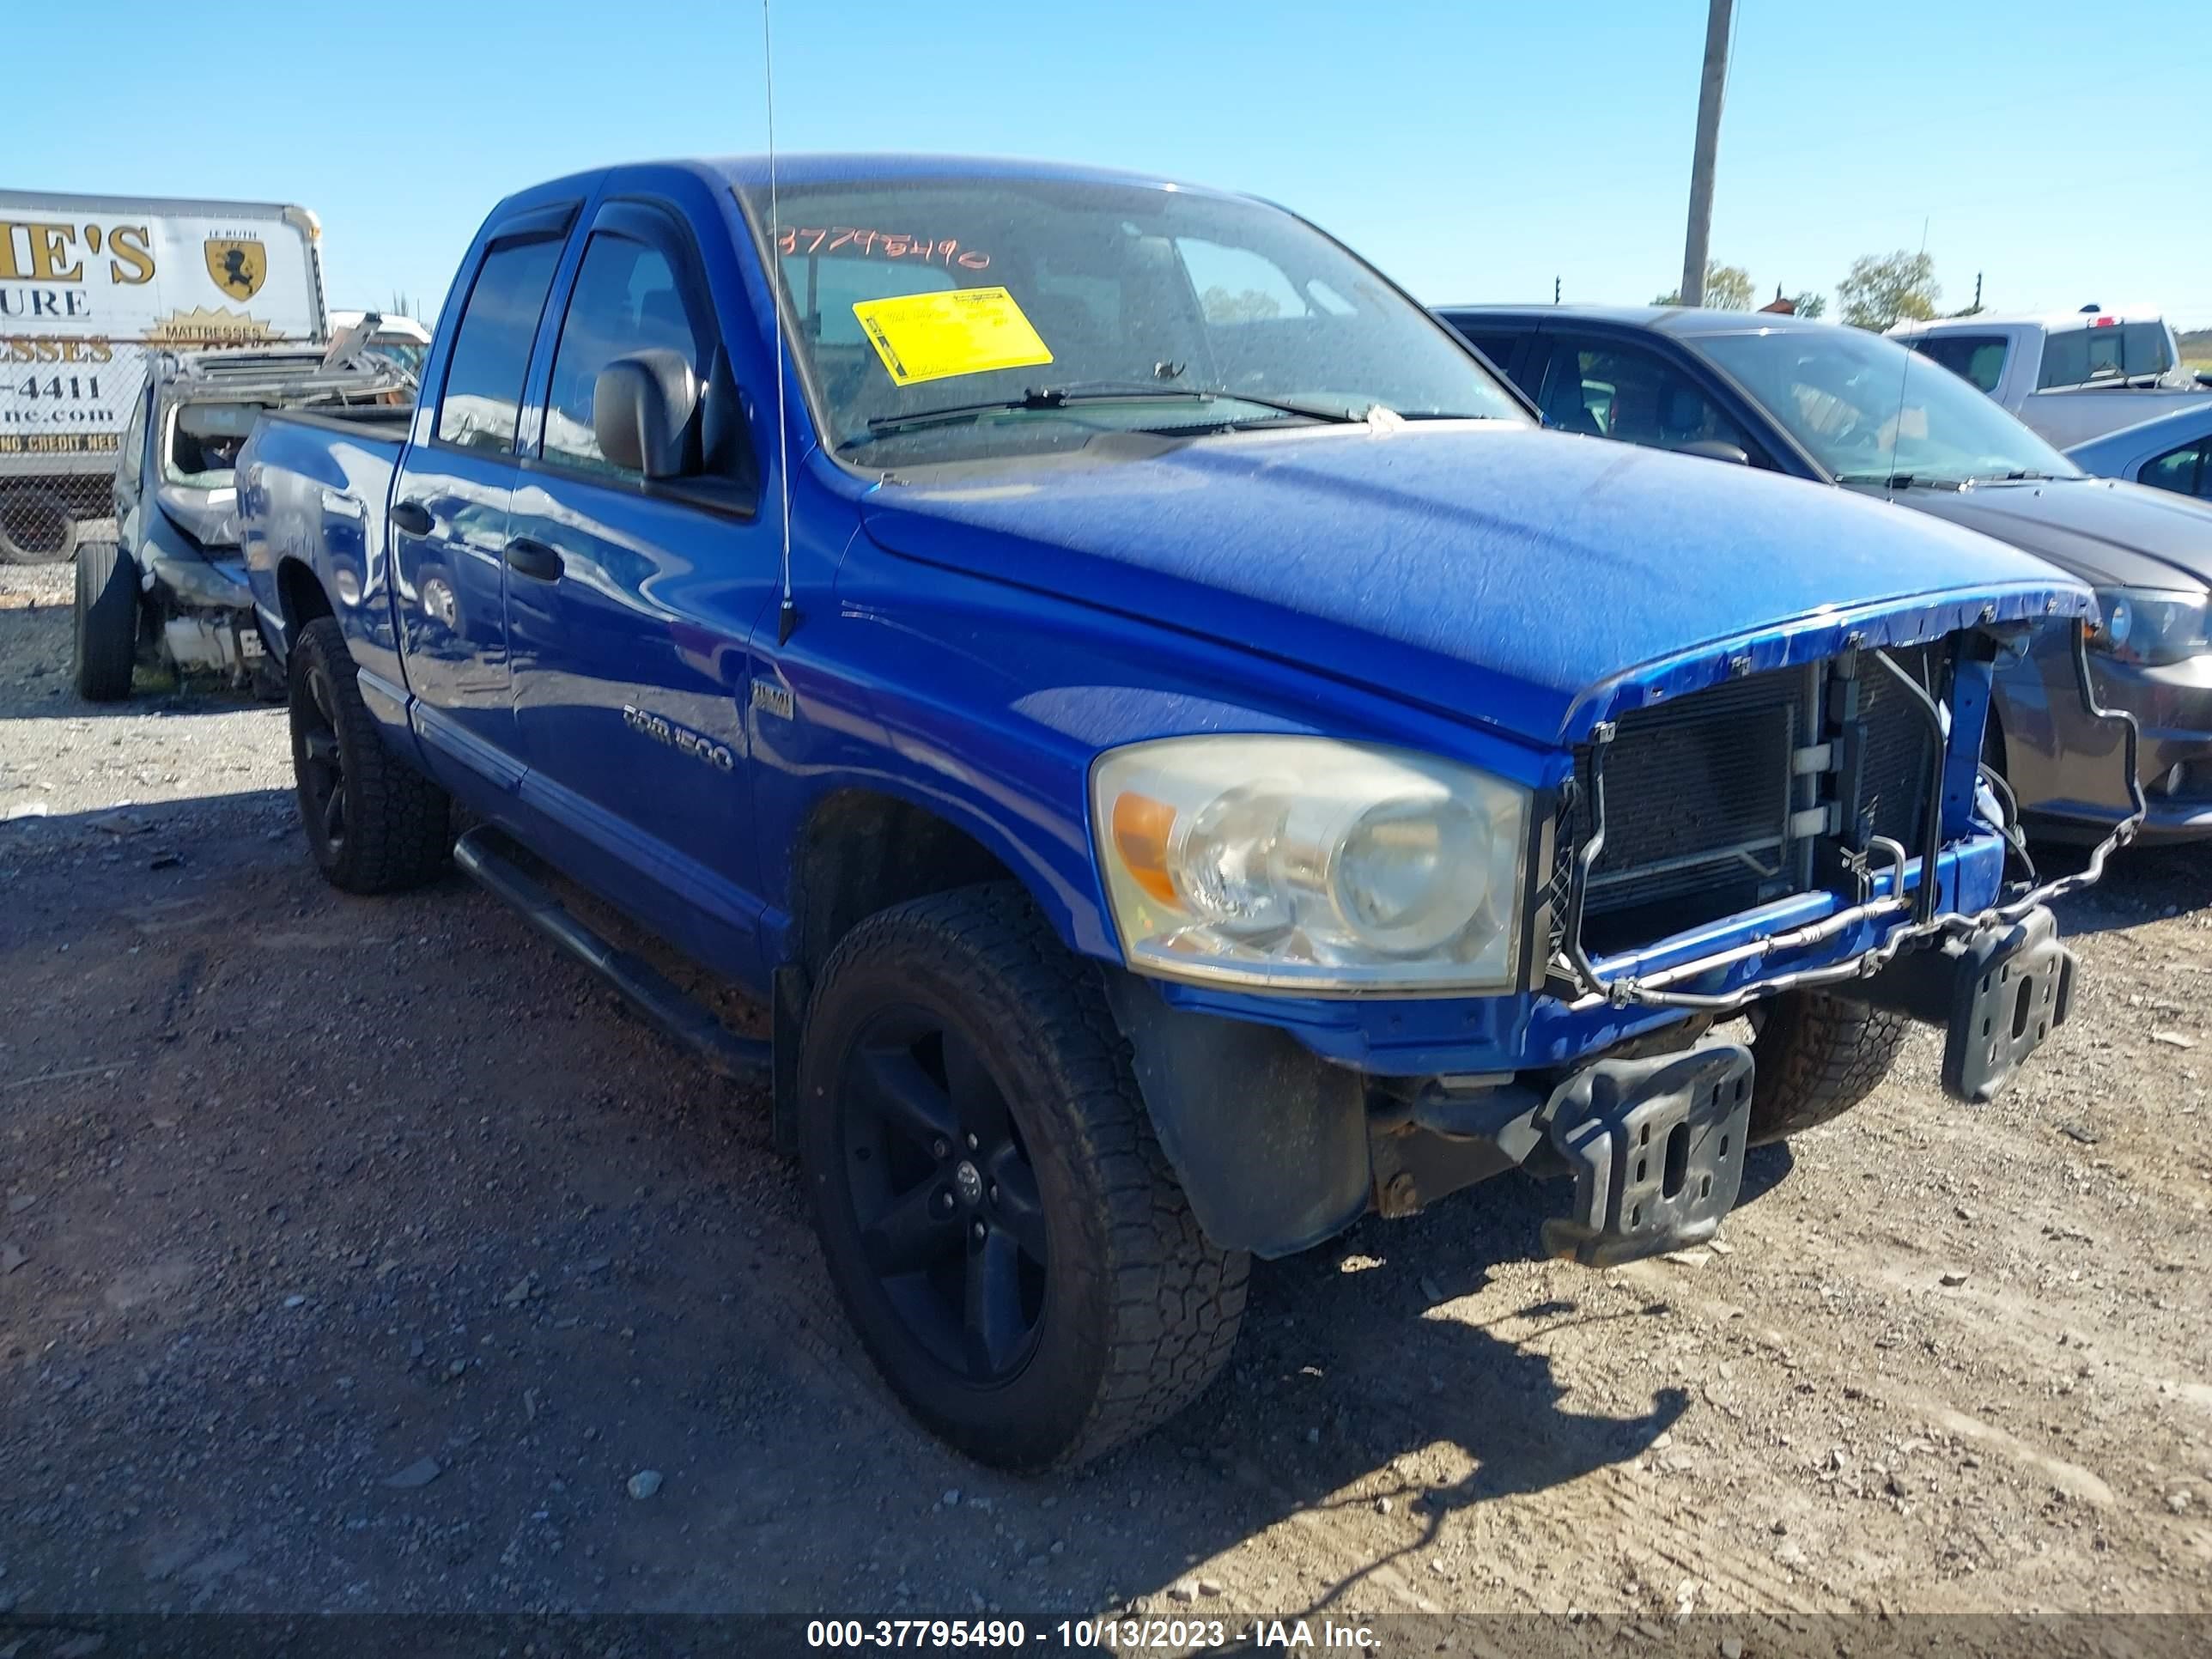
x: 748, y: 1059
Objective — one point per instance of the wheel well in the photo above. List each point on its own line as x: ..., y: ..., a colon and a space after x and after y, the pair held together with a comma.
x: 864, y: 852
x: 301, y: 596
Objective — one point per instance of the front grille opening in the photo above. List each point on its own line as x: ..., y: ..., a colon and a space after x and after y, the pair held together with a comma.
x: 1700, y: 796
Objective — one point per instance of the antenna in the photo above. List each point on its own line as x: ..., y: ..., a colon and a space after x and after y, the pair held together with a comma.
x: 1903, y: 384
x: 787, y: 617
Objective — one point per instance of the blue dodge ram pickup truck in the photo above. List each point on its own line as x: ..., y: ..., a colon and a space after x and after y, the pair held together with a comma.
x: 1185, y: 759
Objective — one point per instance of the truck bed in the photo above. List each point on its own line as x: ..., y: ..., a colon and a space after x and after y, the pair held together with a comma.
x: 321, y: 481
x: 385, y: 421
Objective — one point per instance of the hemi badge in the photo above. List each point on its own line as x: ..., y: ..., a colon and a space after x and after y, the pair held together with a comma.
x: 776, y: 699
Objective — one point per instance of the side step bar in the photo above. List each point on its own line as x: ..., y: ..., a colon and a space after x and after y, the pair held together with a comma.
x: 748, y: 1059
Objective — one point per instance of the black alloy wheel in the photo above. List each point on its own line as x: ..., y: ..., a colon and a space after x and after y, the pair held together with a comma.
x: 320, y: 765
x: 942, y: 1189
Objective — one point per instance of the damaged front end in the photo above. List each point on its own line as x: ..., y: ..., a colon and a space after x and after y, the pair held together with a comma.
x: 1881, y: 807
x: 193, y: 576
x: 1771, y: 825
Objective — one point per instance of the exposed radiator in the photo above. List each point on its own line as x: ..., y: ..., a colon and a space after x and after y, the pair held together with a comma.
x: 1700, y: 797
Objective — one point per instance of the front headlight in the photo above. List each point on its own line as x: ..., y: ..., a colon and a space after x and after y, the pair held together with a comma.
x: 1307, y: 864
x: 2150, y: 625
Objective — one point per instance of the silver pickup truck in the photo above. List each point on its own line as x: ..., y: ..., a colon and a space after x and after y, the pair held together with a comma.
x: 2071, y: 377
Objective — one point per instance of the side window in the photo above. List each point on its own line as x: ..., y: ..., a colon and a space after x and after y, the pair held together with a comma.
x: 1976, y: 357
x: 134, y: 440
x: 1633, y: 395
x: 491, y: 352
x: 626, y: 300
x: 2186, y: 471
x: 1499, y: 345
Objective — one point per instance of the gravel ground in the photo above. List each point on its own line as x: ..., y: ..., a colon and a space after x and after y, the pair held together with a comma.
x: 364, y: 1255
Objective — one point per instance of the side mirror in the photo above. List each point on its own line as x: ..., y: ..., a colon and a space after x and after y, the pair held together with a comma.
x: 1714, y: 450
x: 641, y: 412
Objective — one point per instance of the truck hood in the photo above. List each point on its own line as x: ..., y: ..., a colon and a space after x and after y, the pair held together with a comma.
x: 1533, y: 582
x: 2102, y: 530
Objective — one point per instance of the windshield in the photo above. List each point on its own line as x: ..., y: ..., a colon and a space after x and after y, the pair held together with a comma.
x: 1871, y: 412
x: 953, y: 320
x: 204, y: 439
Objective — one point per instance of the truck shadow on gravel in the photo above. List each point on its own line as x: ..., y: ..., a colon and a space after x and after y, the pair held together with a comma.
x: 372, y: 1250
x: 1364, y: 1383
x: 2139, y: 885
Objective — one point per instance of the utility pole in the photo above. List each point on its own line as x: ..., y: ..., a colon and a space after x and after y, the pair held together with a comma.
x: 1718, y: 16
x: 1555, y: 290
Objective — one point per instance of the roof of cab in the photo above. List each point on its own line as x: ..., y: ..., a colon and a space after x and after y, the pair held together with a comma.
x: 2052, y: 322
x: 1664, y: 320
x: 829, y: 167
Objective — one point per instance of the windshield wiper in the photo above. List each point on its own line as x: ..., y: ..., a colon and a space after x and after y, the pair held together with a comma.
x: 1896, y: 480
x: 1051, y: 397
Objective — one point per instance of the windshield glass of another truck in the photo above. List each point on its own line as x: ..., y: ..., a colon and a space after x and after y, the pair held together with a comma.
x: 1871, y: 412
x: 204, y: 439
x: 951, y: 319
x: 398, y: 349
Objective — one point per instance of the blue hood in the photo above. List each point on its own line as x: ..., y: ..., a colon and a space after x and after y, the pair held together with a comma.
x: 1534, y: 581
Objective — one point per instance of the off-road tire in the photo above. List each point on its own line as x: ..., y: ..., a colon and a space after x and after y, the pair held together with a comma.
x: 1817, y: 1057
x: 106, y: 622
x: 1140, y: 1310
x: 395, y: 822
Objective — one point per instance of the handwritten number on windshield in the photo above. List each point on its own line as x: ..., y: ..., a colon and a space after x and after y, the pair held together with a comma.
x: 882, y: 245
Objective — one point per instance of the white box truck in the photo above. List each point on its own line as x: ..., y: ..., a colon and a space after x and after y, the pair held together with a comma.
x: 88, y: 285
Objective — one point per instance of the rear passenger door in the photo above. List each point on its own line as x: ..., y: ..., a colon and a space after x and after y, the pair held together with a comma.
x: 449, y: 507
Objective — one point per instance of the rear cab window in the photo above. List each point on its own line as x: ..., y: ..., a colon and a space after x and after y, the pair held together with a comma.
x: 2103, y: 352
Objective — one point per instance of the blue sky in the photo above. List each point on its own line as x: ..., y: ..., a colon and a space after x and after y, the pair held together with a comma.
x: 1474, y: 150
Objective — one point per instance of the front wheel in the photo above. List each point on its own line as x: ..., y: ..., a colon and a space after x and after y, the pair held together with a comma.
x: 996, y: 1213
x: 1815, y: 1057
x: 374, y: 824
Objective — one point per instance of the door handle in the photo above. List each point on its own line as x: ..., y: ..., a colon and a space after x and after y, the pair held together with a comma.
x: 412, y: 518
x: 533, y: 559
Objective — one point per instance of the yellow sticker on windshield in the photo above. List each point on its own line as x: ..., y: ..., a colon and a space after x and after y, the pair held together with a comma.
x: 962, y: 331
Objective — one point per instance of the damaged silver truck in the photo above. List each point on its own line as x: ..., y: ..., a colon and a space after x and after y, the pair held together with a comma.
x: 170, y: 590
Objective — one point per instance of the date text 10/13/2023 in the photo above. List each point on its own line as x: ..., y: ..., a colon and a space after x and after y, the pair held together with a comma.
x: 1121, y: 1635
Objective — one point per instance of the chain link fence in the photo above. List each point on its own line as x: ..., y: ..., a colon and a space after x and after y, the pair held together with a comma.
x: 61, y: 419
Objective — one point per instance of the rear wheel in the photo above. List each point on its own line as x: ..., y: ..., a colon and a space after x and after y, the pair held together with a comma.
x: 106, y: 622
x: 996, y: 1213
x: 374, y: 824
x: 1817, y: 1057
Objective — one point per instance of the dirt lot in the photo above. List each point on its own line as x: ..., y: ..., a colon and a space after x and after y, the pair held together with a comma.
x: 356, y: 1255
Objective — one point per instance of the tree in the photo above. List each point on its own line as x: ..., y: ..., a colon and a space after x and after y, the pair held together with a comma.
x: 1880, y: 291
x: 1728, y: 288
x: 1810, y: 305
